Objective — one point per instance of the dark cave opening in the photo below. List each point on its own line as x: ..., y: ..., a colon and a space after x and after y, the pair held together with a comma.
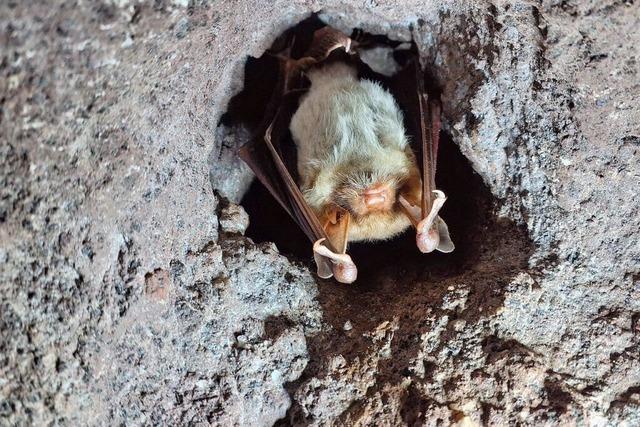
x: 468, y: 210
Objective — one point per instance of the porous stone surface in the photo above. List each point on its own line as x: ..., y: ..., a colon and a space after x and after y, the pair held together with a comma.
x: 234, y: 219
x: 129, y: 296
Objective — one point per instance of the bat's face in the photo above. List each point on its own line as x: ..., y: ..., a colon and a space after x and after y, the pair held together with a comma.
x: 364, y: 192
x: 370, y: 195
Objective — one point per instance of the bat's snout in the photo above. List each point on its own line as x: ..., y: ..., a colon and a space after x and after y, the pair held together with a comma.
x: 378, y: 197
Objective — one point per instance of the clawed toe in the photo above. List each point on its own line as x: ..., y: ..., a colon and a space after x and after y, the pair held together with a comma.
x: 432, y: 232
x: 329, y: 263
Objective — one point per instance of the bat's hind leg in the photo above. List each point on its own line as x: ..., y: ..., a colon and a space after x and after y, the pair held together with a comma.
x: 432, y: 232
x: 338, y: 264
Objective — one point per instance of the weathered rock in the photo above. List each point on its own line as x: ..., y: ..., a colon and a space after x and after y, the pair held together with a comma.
x: 128, y: 295
x: 234, y: 219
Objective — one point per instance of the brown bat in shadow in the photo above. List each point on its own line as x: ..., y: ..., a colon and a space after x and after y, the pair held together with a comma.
x: 350, y: 153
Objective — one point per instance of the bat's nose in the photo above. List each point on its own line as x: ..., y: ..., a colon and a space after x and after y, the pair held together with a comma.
x: 378, y: 197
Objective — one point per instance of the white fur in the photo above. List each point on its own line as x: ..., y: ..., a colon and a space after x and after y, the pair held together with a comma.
x: 345, y: 126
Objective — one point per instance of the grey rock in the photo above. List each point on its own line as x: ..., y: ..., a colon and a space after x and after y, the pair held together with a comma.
x: 234, y: 219
x: 124, y: 298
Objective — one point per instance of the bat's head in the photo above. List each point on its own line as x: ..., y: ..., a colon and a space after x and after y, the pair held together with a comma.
x: 369, y: 191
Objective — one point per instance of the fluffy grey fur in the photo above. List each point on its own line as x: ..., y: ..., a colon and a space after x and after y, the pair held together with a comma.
x: 350, y: 135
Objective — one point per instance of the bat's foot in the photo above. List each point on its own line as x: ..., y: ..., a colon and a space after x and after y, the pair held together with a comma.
x: 427, y: 236
x: 432, y: 232
x: 329, y: 264
x: 435, y: 238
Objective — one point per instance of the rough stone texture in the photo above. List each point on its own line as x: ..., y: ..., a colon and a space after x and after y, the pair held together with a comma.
x: 122, y: 300
x: 234, y: 219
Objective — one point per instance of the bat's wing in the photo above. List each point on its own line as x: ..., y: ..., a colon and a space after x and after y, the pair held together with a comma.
x: 270, y: 159
x: 271, y: 154
x: 422, y: 119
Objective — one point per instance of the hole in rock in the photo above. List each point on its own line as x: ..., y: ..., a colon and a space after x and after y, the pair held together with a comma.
x: 468, y: 210
x: 396, y: 284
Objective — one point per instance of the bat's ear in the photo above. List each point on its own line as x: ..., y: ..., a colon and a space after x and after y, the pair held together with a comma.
x: 446, y: 244
x: 331, y: 215
x: 335, y: 222
x: 411, y: 190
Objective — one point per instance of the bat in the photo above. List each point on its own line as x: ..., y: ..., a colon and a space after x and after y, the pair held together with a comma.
x: 350, y: 153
